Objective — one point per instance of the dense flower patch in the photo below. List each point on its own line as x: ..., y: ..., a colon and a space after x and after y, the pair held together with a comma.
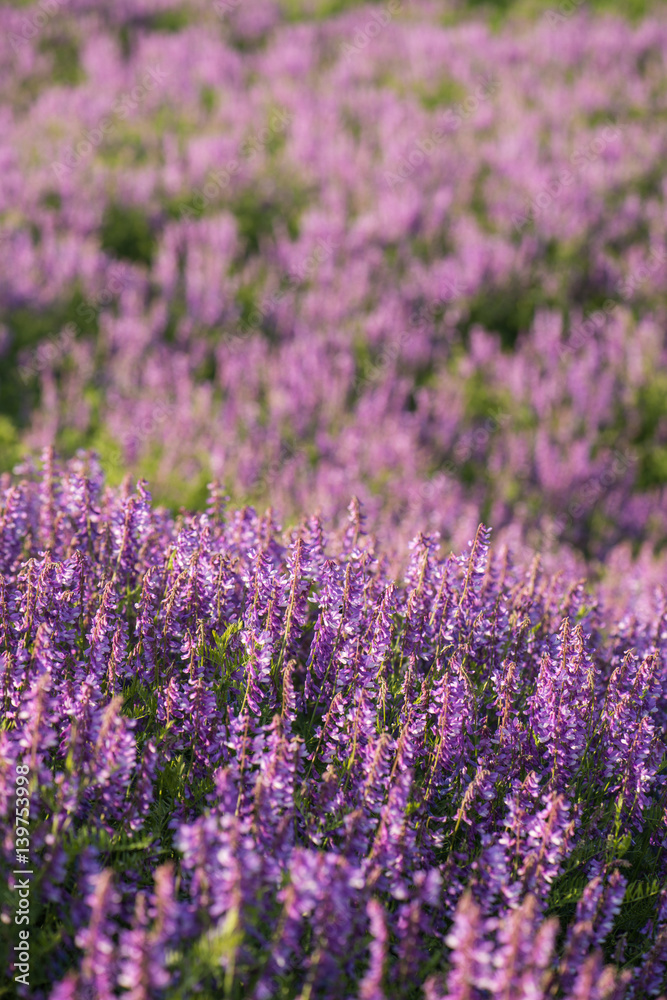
x: 284, y: 252
x: 262, y: 765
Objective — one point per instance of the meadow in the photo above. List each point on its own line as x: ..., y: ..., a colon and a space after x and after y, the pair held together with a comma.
x: 333, y: 452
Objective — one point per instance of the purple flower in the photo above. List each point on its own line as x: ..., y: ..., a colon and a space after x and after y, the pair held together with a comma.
x: 99, y: 963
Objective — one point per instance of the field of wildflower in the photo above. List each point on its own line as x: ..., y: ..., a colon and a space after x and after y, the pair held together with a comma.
x: 333, y: 527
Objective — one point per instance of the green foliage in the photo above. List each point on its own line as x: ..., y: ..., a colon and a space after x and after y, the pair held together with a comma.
x: 258, y: 215
x: 126, y: 233
x: 210, y: 964
x: 483, y: 400
x: 632, y: 9
x: 446, y: 92
x: 170, y: 21
x: 38, y: 338
x: 126, y: 146
x: 11, y: 451
x: 209, y: 99
x: 247, y: 298
x: 650, y: 407
x: 507, y: 311
x: 298, y: 10
x: 174, y: 492
x: 66, y: 65
x: 630, y: 851
x: 650, y: 421
x: 491, y: 7
x: 53, y: 200
x: 652, y: 468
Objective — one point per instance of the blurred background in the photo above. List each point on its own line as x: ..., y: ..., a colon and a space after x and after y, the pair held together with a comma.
x: 410, y: 251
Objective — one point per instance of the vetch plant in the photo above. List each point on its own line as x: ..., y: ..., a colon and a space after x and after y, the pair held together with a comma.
x: 261, y: 763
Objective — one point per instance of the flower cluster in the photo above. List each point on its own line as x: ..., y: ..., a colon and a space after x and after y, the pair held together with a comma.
x: 264, y: 764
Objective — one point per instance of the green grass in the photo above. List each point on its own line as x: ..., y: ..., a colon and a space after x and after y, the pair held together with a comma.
x: 127, y: 234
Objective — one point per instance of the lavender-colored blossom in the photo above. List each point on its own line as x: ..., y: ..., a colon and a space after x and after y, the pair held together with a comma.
x: 426, y: 759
